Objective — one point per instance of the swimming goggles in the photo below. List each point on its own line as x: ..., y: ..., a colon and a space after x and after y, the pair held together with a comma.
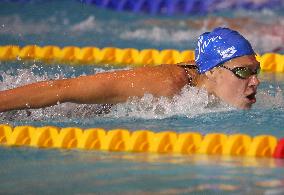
x: 242, y: 72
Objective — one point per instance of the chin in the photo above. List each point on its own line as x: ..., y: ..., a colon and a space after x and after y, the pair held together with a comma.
x: 245, y: 106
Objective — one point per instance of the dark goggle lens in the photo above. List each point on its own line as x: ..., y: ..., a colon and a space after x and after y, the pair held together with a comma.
x: 245, y: 72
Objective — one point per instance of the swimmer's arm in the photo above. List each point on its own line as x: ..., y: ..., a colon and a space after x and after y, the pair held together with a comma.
x: 35, y: 95
x: 109, y: 87
x: 85, y: 89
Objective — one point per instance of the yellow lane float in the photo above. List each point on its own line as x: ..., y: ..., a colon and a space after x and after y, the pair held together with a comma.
x: 168, y: 142
x: 74, y: 55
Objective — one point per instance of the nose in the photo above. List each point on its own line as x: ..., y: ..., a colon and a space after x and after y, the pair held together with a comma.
x: 254, y: 81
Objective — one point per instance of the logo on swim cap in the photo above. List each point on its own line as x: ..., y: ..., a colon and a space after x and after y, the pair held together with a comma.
x: 219, y: 46
x: 228, y: 52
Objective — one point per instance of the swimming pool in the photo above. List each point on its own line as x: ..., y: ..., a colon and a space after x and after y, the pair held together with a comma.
x: 36, y: 171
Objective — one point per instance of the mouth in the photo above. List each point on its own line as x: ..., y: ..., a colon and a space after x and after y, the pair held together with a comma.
x: 251, y: 97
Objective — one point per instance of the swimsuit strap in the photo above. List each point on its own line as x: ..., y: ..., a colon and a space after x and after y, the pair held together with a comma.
x: 186, y: 68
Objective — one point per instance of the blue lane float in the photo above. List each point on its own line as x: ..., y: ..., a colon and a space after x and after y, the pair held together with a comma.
x: 171, y: 7
x: 181, y: 6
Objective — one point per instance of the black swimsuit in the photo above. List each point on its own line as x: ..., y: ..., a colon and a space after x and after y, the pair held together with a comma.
x: 186, y: 68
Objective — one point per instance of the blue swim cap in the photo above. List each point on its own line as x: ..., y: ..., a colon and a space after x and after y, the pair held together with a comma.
x: 220, y: 45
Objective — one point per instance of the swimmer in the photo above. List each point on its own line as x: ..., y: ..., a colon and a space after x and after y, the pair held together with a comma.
x: 225, y: 66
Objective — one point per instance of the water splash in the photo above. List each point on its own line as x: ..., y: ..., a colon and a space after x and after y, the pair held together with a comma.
x: 159, y: 34
x: 190, y: 103
x: 89, y: 24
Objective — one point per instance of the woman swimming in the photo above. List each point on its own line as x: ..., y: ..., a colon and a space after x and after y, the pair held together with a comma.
x: 225, y: 66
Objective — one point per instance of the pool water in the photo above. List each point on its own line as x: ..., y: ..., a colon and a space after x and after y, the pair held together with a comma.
x: 64, y: 23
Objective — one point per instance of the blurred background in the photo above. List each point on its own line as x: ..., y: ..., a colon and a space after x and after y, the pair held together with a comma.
x: 139, y: 24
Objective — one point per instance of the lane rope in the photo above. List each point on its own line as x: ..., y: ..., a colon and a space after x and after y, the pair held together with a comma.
x: 174, y: 7
x: 188, y: 7
x: 72, y: 55
x: 168, y: 142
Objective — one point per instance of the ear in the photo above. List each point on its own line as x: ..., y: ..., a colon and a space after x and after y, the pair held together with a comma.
x: 212, y: 75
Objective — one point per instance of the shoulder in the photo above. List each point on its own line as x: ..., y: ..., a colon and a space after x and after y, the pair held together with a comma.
x: 190, y: 62
x: 181, y: 74
x: 161, y: 80
x: 171, y: 72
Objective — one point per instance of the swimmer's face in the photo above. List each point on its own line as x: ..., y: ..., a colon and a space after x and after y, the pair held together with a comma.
x: 236, y: 91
